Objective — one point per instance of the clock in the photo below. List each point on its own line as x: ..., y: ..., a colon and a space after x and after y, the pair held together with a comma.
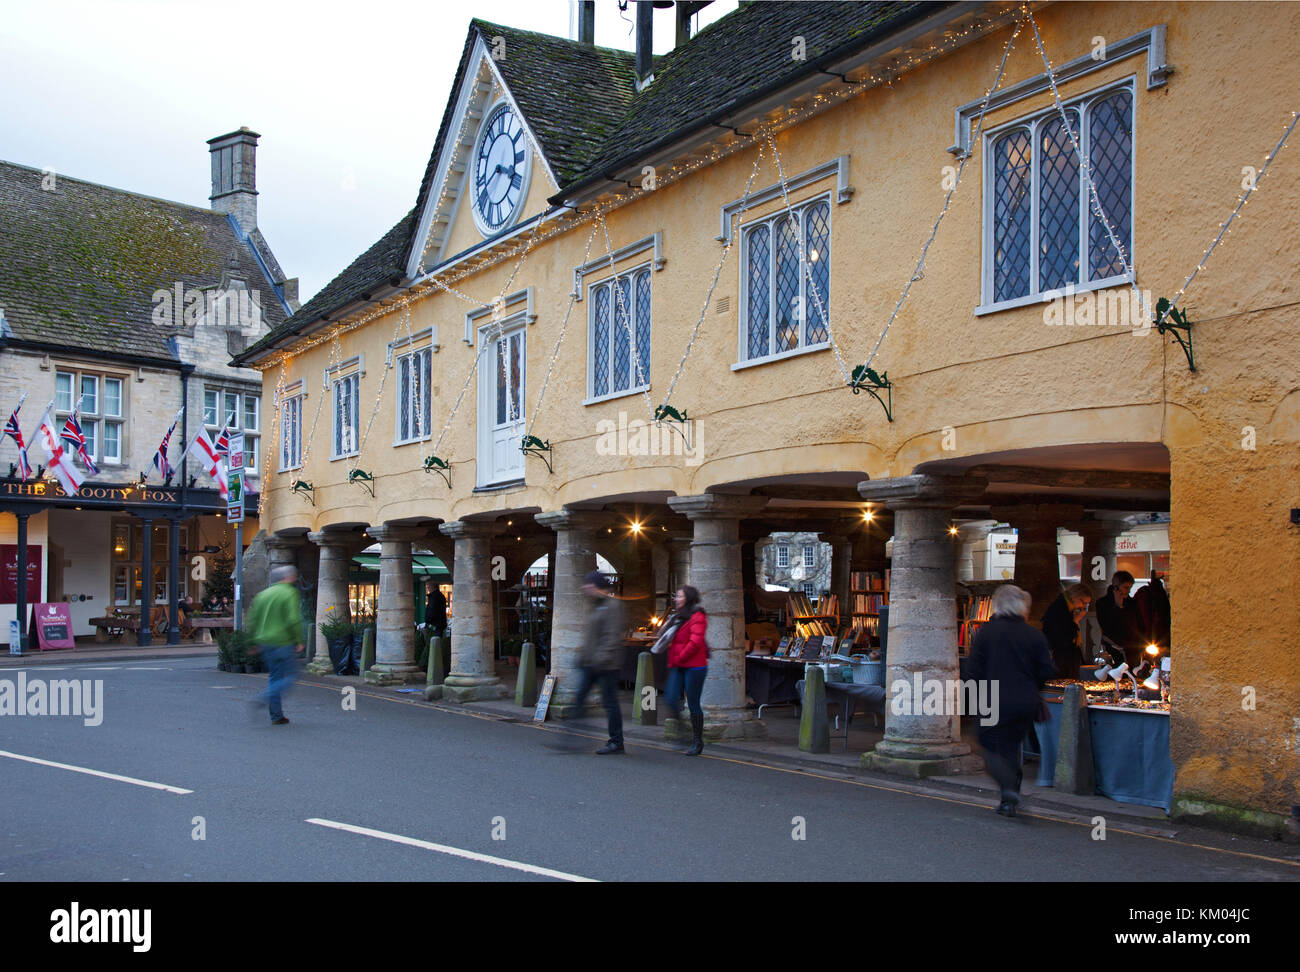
x: 500, y: 169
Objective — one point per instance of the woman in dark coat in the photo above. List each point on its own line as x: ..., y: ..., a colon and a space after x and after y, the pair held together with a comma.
x: 1061, y: 626
x: 1017, y: 660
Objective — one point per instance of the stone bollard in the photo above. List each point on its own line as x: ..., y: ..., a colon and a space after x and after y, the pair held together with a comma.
x: 814, y: 726
x: 1074, y: 748
x: 421, y: 649
x: 368, y: 650
x: 645, y: 704
x: 437, y: 662
x: 526, y: 683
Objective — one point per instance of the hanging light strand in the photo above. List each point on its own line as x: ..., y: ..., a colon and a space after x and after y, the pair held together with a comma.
x: 919, y: 272
x: 627, y: 317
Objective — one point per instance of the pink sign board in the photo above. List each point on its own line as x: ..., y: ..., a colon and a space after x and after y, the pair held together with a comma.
x: 52, y: 625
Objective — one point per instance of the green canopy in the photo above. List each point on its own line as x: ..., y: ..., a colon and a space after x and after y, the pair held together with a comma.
x: 422, y: 565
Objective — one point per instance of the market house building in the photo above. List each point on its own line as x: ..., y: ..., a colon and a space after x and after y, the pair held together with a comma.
x: 131, y: 307
x: 600, y: 234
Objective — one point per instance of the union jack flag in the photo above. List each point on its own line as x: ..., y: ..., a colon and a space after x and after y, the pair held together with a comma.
x: 222, y: 443
x: 73, y: 435
x: 160, y: 457
x: 14, y: 432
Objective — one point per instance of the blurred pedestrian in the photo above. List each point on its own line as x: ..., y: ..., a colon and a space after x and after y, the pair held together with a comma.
x: 601, y: 656
x: 275, y: 628
x: 435, y: 611
x: 1016, y: 657
x: 685, y: 633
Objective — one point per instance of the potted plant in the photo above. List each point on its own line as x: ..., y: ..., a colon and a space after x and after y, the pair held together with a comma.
x: 223, y: 651
x: 338, y: 633
x: 364, y: 622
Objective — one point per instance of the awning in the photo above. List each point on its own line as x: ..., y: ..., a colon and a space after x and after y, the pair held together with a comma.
x: 422, y: 565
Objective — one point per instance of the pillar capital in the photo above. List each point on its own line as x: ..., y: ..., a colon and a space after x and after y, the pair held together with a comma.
x: 574, y: 520
x: 1093, y: 527
x: 922, y: 491
x: 466, y: 529
x: 276, y: 542
x: 397, y: 533
x: 337, y: 538
x: 1029, y: 515
x: 717, y: 506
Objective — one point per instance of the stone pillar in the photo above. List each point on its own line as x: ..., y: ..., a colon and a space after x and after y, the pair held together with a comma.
x: 716, y: 571
x: 331, y: 589
x: 144, y: 637
x: 575, y: 557
x: 395, y: 610
x: 1038, y: 562
x: 841, y: 568
x: 473, y: 673
x: 1099, y: 538
x: 922, y: 626
x: 970, y: 535
x: 679, y: 564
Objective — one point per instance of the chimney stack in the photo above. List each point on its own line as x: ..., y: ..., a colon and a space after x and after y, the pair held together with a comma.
x: 234, y: 176
x: 644, y: 42
x: 587, y: 22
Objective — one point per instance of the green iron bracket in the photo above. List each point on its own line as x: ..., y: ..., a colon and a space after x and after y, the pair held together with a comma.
x: 436, y: 464
x: 532, y: 445
x: 665, y: 414
x: 305, y: 490
x: 866, y: 379
x: 364, y: 478
x: 1177, y: 322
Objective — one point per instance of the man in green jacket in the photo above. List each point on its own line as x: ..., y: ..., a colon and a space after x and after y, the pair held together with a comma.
x: 275, y: 628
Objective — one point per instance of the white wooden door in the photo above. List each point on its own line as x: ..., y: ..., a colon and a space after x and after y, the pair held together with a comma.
x: 501, y: 407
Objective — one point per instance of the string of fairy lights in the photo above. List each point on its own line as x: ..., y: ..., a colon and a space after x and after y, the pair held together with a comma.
x: 429, y: 285
x: 626, y: 314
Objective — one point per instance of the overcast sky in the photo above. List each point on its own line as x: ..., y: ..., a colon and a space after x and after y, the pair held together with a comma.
x: 346, y: 96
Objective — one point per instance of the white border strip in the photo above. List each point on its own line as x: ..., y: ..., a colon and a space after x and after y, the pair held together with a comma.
x: 100, y: 773
x: 453, y: 851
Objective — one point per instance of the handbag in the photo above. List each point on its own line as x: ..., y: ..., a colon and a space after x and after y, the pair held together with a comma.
x: 665, y: 637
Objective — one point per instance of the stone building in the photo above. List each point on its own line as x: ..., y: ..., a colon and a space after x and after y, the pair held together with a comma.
x: 603, y: 243
x: 129, y: 307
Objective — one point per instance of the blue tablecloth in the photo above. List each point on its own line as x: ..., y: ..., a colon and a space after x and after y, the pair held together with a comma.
x: 1130, y: 754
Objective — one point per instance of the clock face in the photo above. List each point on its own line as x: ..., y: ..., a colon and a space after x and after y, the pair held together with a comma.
x: 500, y: 168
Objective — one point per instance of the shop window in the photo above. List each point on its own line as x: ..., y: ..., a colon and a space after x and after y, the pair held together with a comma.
x: 414, y: 398
x: 618, y: 338
x: 785, y: 282
x: 1042, y: 232
x: 1136, y: 564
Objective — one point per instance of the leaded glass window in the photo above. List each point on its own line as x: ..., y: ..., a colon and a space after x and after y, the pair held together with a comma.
x: 620, y: 334
x: 786, y: 281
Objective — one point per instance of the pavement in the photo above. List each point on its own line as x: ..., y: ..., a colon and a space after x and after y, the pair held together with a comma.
x: 185, y: 779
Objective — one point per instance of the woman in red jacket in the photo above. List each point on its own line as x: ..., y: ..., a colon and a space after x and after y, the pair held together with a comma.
x: 688, y: 662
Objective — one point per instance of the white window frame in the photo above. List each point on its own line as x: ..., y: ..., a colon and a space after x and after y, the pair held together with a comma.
x: 424, y: 353
x: 1083, y: 104
x: 782, y: 556
x: 355, y: 378
x: 100, y: 419
x: 612, y: 282
x: 809, y: 556
x: 291, y: 430
x: 806, y: 300
x: 252, y: 436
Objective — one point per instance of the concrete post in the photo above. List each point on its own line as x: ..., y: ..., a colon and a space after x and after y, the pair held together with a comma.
x: 473, y: 675
x: 1038, y: 562
x: 716, y: 572
x: 395, y: 609
x: 331, y: 589
x: 922, y: 626
x: 575, y: 557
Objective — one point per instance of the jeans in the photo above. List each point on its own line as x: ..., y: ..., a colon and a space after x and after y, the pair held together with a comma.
x: 690, y: 679
x: 282, y: 661
x: 608, y: 697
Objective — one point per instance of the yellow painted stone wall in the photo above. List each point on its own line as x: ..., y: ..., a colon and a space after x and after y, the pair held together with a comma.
x: 1005, y: 380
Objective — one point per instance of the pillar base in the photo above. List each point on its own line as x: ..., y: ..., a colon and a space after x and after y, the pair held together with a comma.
x: 404, y: 674
x: 921, y: 768
x: 902, y: 749
x: 473, y: 688
x: 719, y: 725
x: 321, y: 664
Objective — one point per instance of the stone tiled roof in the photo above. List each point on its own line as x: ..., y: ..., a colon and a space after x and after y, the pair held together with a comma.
x: 581, y: 103
x: 79, y: 263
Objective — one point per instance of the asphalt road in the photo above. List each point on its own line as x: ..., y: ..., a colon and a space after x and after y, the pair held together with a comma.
x: 397, y: 790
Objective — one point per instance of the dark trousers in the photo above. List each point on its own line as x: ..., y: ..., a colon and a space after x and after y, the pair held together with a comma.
x: 688, y: 680
x: 1001, y: 744
x: 608, y: 681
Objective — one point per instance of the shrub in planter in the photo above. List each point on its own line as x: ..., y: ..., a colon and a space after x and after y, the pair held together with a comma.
x: 338, y: 634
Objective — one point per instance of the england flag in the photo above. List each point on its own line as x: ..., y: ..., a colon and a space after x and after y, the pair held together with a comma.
x: 60, y: 463
x: 209, y: 459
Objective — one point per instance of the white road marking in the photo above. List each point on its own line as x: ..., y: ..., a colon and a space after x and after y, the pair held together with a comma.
x: 91, y: 772
x: 453, y: 851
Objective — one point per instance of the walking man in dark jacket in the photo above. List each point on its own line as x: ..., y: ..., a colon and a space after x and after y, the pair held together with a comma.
x: 602, y: 655
x: 1017, y: 657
